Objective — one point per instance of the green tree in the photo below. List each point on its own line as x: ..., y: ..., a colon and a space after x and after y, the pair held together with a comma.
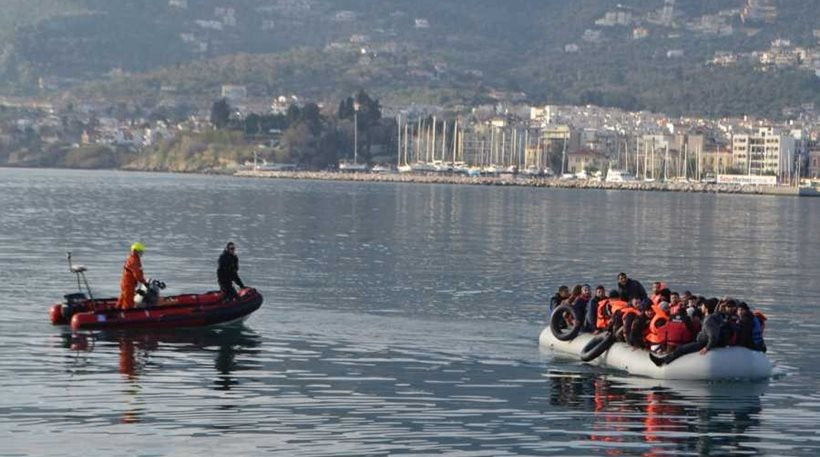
x: 367, y: 112
x: 220, y: 113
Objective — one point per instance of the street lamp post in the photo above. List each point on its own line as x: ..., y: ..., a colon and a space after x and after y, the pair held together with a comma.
x: 356, y: 107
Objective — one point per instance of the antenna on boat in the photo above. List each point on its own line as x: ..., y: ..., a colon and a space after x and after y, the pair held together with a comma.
x: 80, y: 270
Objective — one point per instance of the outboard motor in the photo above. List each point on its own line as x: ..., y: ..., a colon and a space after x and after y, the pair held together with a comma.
x: 72, y: 302
x: 147, y: 297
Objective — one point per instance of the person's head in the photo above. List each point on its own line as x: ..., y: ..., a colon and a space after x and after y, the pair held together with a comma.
x: 563, y: 291
x: 691, y: 311
x: 614, y: 294
x: 674, y: 298
x: 230, y: 247
x: 743, y: 308
x: 708, y: 306
x: 664, y: 305
x: 622, y: 278
x: 686, y: 295
x: 586, y: 290
x: 723, y: 307
x: 666, y: 294
x: 600, y: 291
x: 692, y: 302
x: 576, y: 291
x: 138, y: 248
x: 657, y: 286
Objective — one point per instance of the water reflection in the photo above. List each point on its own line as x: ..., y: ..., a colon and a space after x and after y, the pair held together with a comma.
x: 135, y: 349
x: 662, y: 418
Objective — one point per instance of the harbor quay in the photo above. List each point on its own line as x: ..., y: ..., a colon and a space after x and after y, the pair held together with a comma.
x: 526, y: 181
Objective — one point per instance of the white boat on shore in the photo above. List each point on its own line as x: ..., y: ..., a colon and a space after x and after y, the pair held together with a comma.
x: 727, y: 363
x: 614, y: 175
x: 353, y: 167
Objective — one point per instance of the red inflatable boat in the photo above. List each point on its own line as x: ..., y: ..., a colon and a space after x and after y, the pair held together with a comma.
x: 190, y: 310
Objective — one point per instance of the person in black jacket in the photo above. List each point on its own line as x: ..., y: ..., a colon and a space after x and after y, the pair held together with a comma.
x: 630, y: 288
x: 558, y: 298
x: 228, y: 271
x: 710, y: 336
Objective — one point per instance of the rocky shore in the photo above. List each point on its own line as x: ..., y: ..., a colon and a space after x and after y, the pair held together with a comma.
x: 510, y: 180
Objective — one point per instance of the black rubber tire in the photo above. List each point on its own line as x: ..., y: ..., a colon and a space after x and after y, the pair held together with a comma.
x: 558, y: 317
x: 597, y: 346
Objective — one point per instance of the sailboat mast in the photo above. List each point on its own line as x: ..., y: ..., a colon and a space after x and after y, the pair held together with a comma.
x: 398, y: 141
x: 563, y: 155
x: 433, y: 149
x: 405, y: 143
x: 418, y: 141
x: 491, y: 155
x: 443, y: 139
x: 455, y: 140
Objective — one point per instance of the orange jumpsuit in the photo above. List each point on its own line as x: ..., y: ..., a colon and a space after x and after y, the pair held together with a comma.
x: 131, y: 275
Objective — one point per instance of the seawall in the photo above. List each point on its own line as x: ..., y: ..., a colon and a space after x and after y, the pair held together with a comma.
x: 509, y: 180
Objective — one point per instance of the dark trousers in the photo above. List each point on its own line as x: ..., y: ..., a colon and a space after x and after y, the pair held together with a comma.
x: 228, y: 290
x: 684, y: 349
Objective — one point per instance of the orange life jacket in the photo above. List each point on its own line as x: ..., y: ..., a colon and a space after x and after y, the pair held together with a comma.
x: 616, y: 304
x: 603, y: 314
x: 673, y: 309
x: 629, y: 310
x: 656, y: 331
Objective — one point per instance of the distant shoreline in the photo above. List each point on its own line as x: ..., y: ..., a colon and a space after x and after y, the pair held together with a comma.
x: 520, y: 181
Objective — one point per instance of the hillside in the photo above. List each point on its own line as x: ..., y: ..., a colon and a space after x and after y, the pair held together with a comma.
x: 639, y: 55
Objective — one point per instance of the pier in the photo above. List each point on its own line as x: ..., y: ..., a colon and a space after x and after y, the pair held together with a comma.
x: 525, y: 181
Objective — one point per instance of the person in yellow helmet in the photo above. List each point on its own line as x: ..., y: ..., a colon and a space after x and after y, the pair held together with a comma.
x: 131, y: 276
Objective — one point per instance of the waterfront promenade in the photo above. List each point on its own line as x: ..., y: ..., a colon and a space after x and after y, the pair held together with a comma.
x: 510, y: 180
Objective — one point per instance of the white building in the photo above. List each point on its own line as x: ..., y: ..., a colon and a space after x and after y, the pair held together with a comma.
x: 765, y: 152
x: 234, y: 93
x: 422, y: 23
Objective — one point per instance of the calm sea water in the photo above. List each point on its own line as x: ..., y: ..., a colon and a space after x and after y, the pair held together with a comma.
x: 397, y: 319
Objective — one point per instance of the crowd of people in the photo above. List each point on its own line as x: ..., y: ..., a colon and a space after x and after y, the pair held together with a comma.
x: 667, y: 323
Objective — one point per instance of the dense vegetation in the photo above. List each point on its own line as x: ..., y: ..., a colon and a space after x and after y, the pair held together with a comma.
x: 130, y: 49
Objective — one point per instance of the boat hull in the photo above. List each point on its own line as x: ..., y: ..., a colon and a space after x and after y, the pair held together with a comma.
x: 191, y: 310
x: 726, y: 363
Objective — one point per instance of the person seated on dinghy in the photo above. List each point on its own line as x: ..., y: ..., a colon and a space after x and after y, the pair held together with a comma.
x: 558, y: 298
x: 636, y: 325
x: 664, y: 295
x: 580, y: 300
x: 606, y: 312
x: 630, y: 288
x: 728, y: 307
x: 592, y: 309
x: 680, y: 329
x: 131, y: 276
x: 674, y: 302
x: 228, y: 272
x: 655, y: 336
x: 620, y: 312
x: 655, y: 296
x: 710, y: 336
x: 750, y: 332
